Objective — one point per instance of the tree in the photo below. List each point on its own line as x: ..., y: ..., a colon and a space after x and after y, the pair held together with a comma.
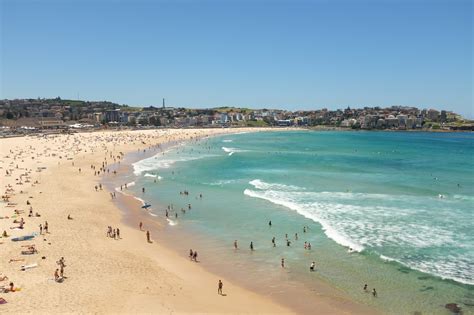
x: 155, y: 121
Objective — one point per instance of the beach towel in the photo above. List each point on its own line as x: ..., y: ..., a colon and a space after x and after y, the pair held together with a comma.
x: 30, y: 266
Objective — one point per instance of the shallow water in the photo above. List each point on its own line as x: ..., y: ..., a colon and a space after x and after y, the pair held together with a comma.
x: 402, y: 201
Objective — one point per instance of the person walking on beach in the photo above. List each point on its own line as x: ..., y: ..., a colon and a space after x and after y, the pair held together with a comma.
x: 235, y: 244
x: 118, y: 233
x: 191, y: 253
x: 251, y: 246
x: 140, y: 225
x: 195, y: 255
x: 219, y: 287
x: 273, y: 242
x: 46, y: 227
x: 148, y: 236
x: 56, y: 276
x: 41, y: 228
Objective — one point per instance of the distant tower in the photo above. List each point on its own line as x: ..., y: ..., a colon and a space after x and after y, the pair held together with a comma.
x: 163, y: 103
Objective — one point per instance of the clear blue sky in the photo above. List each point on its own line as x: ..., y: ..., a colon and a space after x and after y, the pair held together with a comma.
x: 281, y: 54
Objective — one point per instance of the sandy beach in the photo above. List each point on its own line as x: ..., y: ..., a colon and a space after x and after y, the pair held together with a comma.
x: 56, y: 176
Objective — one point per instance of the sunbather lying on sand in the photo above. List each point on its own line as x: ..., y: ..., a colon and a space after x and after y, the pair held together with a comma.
x: 9, y: 288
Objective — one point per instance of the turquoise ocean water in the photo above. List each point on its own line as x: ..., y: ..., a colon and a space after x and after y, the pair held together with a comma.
x: 404, y: 202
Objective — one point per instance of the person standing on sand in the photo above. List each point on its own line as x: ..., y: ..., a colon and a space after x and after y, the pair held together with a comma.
x: 235, y: 244
x: 41, y: 229
x: 219, y: 287
x: 251, y: 246
x: 148, y: 236
x: 140, y: 225
x: 46, y: 227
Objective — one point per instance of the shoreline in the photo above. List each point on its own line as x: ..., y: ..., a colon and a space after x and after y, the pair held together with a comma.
x: 103, y: 275
x: 331, y: 299
x: 422, y: 275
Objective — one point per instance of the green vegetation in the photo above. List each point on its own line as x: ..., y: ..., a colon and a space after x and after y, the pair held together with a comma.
x: 256, y: 123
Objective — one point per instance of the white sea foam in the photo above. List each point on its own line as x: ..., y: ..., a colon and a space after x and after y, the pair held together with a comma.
x: 363, y: 221
x: 259, y: 184
x: 463, y: 197
x: 159, y: 162
x: 232, y: 150
x: 150, y: 175
x: 387, y: 258
x: 227, y: 140
x: 171, y: 222
x: 221, y: 182
x: 140, y: 199
x: 328, y: 229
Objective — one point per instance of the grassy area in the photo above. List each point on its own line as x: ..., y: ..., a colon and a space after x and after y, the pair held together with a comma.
x: 256, y: 123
